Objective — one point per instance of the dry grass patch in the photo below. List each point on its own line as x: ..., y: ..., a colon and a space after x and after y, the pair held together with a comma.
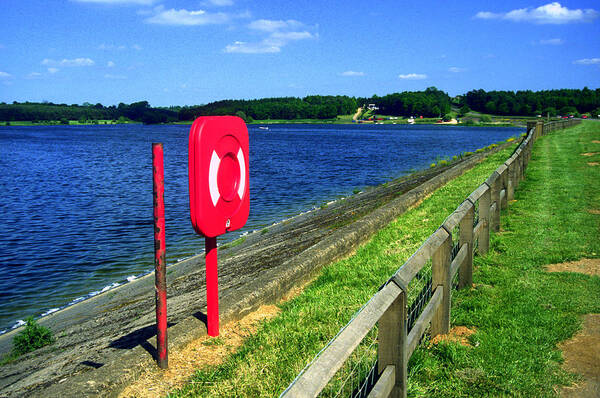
x: 590, y: 153
x: 588, y: 266
x: 200, y: 353
x: 595, y: 142
x: 582, y: 356
x: 593, y: 163
x: 458, y: 334
x: 594, y: 211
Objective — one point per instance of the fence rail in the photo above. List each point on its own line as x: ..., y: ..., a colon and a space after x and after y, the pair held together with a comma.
x: 388, y: 308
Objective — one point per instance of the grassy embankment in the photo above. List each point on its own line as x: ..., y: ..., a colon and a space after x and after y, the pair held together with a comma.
x: 519, y: 311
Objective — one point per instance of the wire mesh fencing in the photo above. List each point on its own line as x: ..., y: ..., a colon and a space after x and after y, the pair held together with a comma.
x: 359, y: 372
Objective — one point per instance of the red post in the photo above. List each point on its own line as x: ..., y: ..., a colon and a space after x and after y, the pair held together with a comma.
x: 212, y: 287
x: 158, y: 172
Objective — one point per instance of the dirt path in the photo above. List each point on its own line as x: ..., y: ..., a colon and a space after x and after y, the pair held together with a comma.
x: 104, y: 342
x: 582, y: 352
x: 357, y: 114
x: 582, y: 356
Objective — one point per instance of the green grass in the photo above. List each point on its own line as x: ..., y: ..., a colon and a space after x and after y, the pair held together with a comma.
x: 520, y: 311
x: 32, y: 337
x: 235, y: 243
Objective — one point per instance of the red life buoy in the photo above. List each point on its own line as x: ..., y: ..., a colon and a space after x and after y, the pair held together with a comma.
x: 218, y: 174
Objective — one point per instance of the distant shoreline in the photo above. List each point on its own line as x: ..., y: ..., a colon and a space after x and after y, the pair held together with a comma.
x: 507, y: 122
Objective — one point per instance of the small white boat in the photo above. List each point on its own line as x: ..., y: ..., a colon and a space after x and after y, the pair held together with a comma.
x: 411, y: 120
x: 263, y: 127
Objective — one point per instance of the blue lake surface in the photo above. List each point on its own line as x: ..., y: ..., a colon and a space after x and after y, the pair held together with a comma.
x: 76, y: 201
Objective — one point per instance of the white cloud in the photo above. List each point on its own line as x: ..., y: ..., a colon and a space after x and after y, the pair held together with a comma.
x: 124, y: 2
x: 5, y: 75
x: 218, y: 3
x: 115, y: 77
x: 587, y: 61
x: 551, y: 13
x: 352, y: 73
x: 268, y: 25
x: 186, y: 18
x: 251, y: 48
x: 455, y: 69
x: 110, y: 64
x: 53, y: 70
x: 68, y: 62
x: 77, y: 62
x: 552, y: 42
x: 34, y: 75
x: 110, y: 47
x: 413, y: 76
x: 487, y: 15
x: 280, y: 33
x: 120, y: 47
x: 280, y: 39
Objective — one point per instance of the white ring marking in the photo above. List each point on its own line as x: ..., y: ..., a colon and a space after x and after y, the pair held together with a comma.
x: 213, y: 186
x: 242, y: 185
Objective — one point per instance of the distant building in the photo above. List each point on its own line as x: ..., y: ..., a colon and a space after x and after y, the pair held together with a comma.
x: 372, y: 107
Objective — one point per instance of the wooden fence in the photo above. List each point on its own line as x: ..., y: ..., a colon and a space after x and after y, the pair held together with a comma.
x: 450, y: 250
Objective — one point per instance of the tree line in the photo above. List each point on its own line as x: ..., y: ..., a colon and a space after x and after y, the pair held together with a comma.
x: 287, y: 108
x: 529, y: 103
x: 429, y: 103
x: 46, y: 111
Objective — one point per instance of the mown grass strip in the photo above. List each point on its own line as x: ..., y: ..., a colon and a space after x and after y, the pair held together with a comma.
x: 520, y: 311
x: 271, y: 359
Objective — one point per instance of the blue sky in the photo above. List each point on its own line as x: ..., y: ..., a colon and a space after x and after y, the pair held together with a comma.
x: 176, y: 52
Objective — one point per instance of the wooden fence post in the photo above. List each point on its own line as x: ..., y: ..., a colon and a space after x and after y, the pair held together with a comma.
x: 440, y: 269
x: 494, y: 183
x: 504, y: 186
x: 539, y: 129
x: 510, y: 185
x: 531, y: 126
x: 392, y: 344
x: 484, y: 218
x: 465, y: 273
x: 517, y: 166
x: 522, y: 163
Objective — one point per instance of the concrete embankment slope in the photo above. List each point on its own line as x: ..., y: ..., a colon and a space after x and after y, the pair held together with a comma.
x: 101, y: 342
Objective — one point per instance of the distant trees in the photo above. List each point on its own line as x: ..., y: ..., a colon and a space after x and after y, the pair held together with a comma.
x: 287, y: 108
x: 430, y: 103
x: 528, y: 103
x: 32, y: 111
x: 464, y: 110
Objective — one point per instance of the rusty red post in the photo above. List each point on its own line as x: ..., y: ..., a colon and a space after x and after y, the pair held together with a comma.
x: 212, y: 287
x: 158, y: 172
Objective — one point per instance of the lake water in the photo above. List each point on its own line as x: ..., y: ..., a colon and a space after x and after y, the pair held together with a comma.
x: 76, y: 201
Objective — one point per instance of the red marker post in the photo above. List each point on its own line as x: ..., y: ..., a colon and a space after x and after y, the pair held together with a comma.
x: 158, y: 172
x: 218, y: 160
x: 212, y: 287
